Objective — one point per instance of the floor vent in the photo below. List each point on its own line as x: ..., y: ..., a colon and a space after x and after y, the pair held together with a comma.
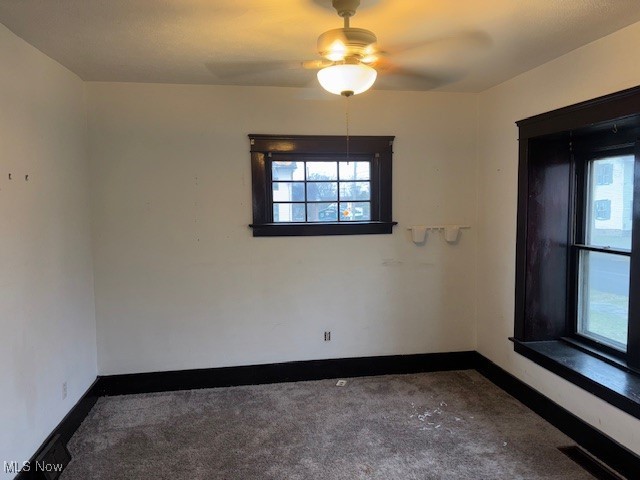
x: 52, y: 460
x: 591, y: 464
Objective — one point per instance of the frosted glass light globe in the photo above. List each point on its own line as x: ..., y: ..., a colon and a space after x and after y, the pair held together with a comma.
x: 347, y: 79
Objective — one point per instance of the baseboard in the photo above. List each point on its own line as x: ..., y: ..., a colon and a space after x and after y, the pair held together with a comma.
x: 597, y: 469
x: 595, y: 442
x: 283, y: 372
x: 66, y: 428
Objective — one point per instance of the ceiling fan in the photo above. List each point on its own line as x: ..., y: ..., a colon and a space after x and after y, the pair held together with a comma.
x: 348, y: 54
x: 351, y: 60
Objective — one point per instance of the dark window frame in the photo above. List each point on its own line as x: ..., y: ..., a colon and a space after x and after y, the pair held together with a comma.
x: 266, y: 148
x: 585, y: 150
x: 553, y: 148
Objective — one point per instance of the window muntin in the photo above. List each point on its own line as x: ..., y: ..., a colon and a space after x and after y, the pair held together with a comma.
x: 603, y: 273
x: 309, y: 191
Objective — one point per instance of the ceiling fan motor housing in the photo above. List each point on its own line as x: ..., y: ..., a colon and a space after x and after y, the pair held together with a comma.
x: 350, y: 42
x: 346, y: 8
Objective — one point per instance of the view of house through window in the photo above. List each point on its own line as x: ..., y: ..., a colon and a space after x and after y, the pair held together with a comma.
x: 603, y: 273
x: 321, y: 191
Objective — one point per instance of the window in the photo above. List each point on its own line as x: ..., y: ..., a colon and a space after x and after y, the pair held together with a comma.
x: 603, y: 246
x: 321, y: 185
x: 577, y: 296
x: 321, y: 190
x: 604, y: 174
x: 602, y: 209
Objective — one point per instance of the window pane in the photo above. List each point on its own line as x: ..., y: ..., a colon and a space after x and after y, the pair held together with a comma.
x: 287, y: 170
x: 610, y: 201
x: 288, y: 191
x: 355, y: 170
x: 288, y: 212
x: 603, y: 294
x: 355, y: 211
x: 320, y: 191
x: 355, y: 190
x: 603, y: 173
x: 322, y: 170
x: 322, y: 212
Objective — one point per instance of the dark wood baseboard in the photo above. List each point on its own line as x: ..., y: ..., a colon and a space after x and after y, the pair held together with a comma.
x: 66, y: 428
x: 598, y: 444
x: 283, y: 372
x: 589, y: 463
x: 595, y: 442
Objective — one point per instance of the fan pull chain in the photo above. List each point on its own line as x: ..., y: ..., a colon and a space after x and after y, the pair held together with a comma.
x: 347, y: 118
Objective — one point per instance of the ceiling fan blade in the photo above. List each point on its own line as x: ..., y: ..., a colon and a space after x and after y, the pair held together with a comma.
x: 313, y: 92
x: 429, y: 64
x: 446, y: 52
x: 316, y: 64
x: 393, y: 77
x: 233, y: 70
x: 260, y: 73
x: 470, y: 42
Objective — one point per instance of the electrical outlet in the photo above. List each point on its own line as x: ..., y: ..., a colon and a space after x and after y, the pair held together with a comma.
x: 327, y: 336
x: 64, y: 390
x: 341, y: 383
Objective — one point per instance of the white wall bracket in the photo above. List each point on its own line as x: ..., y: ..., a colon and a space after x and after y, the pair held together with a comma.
x: 451, y: 232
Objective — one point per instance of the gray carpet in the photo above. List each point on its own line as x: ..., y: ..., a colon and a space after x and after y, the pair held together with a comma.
x: 444, y: 425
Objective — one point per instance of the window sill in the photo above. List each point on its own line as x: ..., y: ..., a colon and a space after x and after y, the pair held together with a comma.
x: 328, y: 228
x: 614, y: 384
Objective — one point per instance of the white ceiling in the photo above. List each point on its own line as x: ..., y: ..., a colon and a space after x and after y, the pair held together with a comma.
x: 464, y: 45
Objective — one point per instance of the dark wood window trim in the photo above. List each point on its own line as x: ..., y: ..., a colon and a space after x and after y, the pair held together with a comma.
x: 379, y: 149
x: 552, y: 149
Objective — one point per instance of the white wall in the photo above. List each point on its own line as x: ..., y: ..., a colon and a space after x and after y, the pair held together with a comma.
x: 47, y: 316
x: 180, y: 281
x: 605, y: 66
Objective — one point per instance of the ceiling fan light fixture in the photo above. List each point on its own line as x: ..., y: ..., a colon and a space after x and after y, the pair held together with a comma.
x: 347, y: 79
x: 337, y: 51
